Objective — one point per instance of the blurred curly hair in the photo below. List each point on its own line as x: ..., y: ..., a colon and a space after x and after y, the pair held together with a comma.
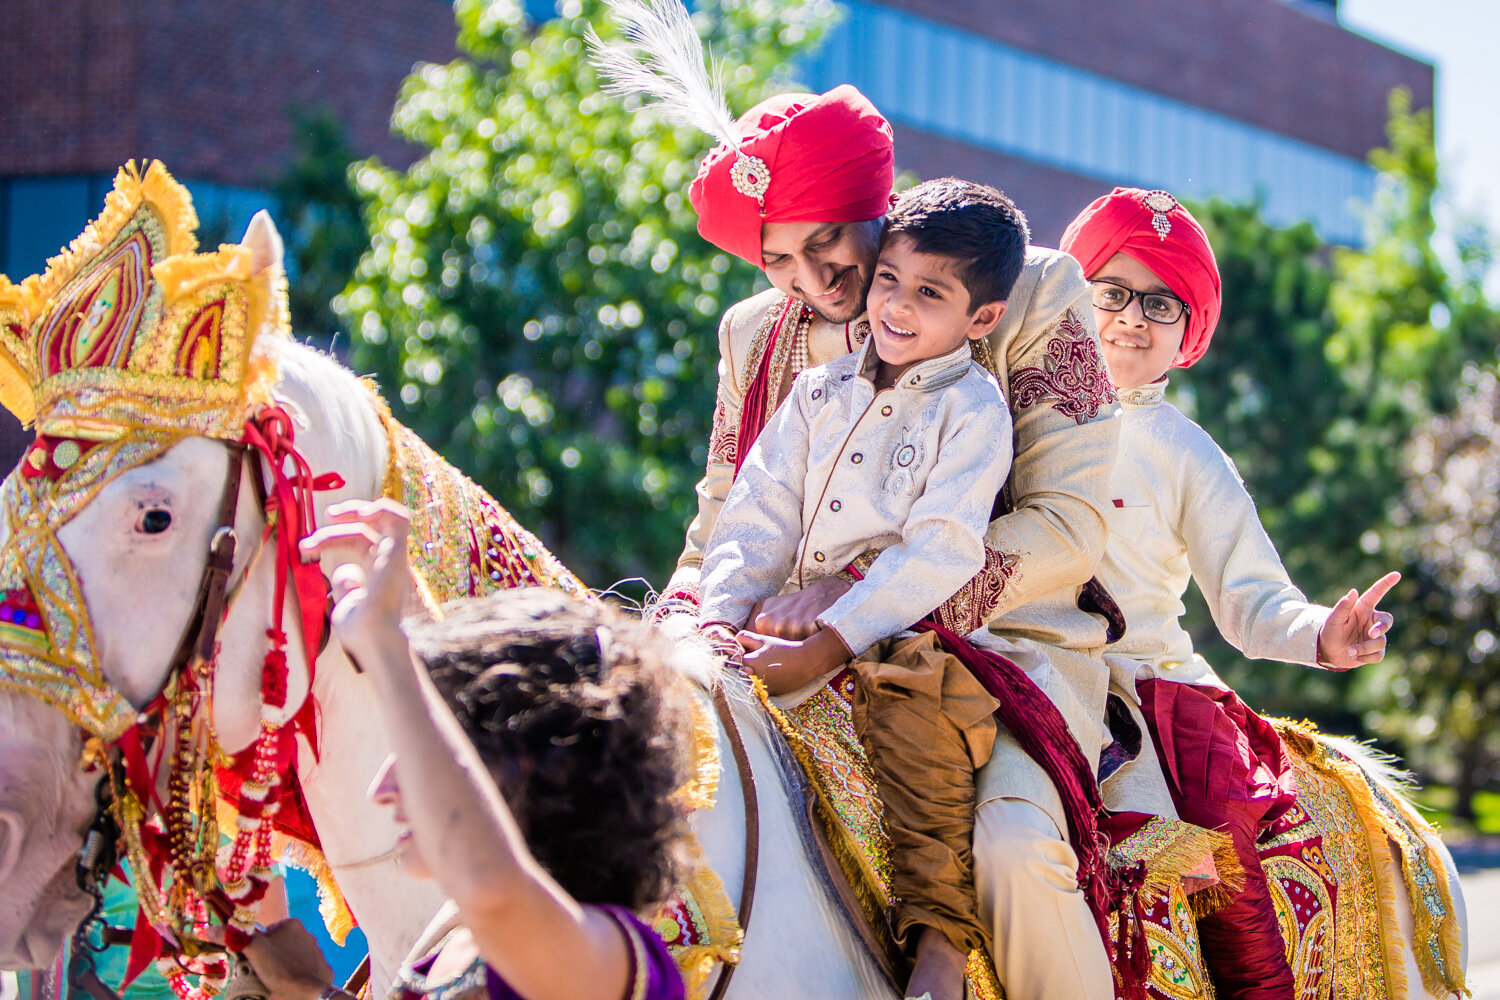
x: 585, y: 729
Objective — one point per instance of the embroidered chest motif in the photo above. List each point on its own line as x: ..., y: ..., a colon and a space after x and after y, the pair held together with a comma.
x: 907, y: 458
x: 1072, y: 376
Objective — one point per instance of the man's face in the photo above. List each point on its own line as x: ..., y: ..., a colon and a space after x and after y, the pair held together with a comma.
x: 825, y: 264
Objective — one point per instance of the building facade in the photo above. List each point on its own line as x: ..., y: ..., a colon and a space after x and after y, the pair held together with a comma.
x: 211, y: 89
x: 1056, y: 101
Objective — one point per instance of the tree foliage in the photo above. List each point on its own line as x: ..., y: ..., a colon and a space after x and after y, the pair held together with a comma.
x: 534, y: 298
x: 1448, y: 679
x: 318, y: 214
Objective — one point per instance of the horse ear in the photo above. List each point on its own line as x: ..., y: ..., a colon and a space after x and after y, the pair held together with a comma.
x: 264, y: 241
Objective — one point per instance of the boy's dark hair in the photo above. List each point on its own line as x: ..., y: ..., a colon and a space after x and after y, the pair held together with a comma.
x: 585, y: 728
x: 974, y: 225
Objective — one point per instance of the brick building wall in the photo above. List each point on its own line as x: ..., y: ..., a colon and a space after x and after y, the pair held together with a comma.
x: 1049, y: 197
x: 206, y: 87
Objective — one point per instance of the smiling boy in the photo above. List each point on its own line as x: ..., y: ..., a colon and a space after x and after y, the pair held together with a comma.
x: 902, y: 446
x: 1180, y: 511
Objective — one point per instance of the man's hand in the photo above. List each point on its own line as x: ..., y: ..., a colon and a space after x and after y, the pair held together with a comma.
x: 785, y: 665
x: 795, y: 615
x: 1354, y: 633
x: 286, y: 958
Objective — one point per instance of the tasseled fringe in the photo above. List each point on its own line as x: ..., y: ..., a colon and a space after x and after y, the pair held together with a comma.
x: 725, y: 936
x: 331, y: 905
x: 702, y: 785
x: 1448, y: 979
x: 873, y: 901
x: 1231, y: 879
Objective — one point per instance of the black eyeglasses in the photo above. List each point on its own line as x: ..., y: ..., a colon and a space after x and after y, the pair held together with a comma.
x: 1158, y: 307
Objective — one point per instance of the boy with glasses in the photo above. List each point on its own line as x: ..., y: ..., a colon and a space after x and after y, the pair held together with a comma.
x: 1179, y: 510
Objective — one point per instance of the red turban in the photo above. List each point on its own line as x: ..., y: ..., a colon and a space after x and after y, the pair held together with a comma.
x: 1154, y: 229
x: 803, y: 159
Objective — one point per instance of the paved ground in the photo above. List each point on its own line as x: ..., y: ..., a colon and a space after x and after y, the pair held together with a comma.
x: 1482, y: 896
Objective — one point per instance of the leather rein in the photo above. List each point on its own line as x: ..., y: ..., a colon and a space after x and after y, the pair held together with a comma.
x: 752, y: 829
x: 196, y: 646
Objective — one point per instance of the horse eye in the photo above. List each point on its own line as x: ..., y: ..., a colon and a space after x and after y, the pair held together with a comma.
x: 154, y: 521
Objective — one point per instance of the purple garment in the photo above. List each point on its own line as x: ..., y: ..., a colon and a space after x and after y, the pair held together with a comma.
x: 653, y: 974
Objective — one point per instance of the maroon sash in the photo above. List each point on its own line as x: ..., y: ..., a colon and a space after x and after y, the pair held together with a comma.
x: 753, y: 408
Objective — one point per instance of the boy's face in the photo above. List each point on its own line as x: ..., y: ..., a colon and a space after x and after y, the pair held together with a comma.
x: 1137, y: 349
x: 825, y: 264
x: 919, y: 307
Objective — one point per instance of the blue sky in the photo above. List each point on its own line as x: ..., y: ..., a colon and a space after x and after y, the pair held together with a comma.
x: 1459, y: 37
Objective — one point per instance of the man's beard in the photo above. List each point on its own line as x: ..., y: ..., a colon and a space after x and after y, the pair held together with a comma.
x: 856, y: 307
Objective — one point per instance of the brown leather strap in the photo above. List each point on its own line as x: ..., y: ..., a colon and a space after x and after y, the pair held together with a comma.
x: 360, y: 977
x: 202, y: 629
x: 752, y: 828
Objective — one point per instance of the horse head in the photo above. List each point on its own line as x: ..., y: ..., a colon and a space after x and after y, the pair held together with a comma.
x: 166, y: 396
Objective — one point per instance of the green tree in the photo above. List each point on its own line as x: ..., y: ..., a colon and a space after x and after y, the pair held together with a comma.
x: 1441, y: 699
x: 534, y: 298
x: 318, y: 213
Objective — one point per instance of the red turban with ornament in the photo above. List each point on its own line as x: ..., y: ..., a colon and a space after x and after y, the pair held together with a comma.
x: 1153, y: 228
x: 802, y: 158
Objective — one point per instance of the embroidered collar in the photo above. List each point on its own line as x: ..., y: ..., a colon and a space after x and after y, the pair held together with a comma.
x: 925, y: 376
x: 1145, y: 396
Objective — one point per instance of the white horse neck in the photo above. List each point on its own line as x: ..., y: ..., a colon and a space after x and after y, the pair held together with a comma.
x: 338, y: 430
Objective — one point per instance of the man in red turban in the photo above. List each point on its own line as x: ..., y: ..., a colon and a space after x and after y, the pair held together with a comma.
x: 801, y: 193
x: 1180, y: 511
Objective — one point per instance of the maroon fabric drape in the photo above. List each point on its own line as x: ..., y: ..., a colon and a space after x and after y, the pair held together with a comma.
x: 1227, y: 770
x: 753, y: 407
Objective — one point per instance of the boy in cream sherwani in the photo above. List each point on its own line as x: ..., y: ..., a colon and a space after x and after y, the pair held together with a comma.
x: 901, y: 446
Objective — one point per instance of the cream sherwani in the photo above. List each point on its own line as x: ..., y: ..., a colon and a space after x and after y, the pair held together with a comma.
x: 1038, y: 557
x: 841, y: 468
x: 1180, y: 510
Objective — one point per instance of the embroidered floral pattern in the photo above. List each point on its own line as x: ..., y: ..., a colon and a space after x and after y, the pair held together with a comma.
x: 1072, y: 375
x: 724, y: 439
x: 972, y: 607
x: 907, y: 458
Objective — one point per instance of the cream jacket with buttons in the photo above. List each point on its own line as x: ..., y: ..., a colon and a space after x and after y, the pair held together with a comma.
x: 1179, y: 511
x: 1064, y: 434
x: 842, y: 468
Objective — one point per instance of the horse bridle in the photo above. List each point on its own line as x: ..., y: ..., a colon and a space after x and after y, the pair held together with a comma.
x: 196, y: 646
x: 752, y: 829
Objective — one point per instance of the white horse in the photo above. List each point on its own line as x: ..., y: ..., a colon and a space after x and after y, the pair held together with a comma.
x: 799, y: 942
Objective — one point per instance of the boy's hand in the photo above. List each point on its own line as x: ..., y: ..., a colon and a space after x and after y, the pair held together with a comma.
x: 370, y: 579
x: 1354, y: 633
x: 795, y: 615
x: 785, y: 665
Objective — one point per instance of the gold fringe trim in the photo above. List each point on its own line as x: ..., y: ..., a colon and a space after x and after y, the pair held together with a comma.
x: 725, y: 935
x: 331, y: 904
x: 1383, y: 834
x: 873, y: 902
x: 702, y: 786
x: 1231, y: 880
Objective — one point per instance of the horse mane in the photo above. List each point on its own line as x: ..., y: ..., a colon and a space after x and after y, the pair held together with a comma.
x: 337, y: 424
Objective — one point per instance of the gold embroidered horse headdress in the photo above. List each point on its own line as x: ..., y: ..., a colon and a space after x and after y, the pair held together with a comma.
x: 126, y: 344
